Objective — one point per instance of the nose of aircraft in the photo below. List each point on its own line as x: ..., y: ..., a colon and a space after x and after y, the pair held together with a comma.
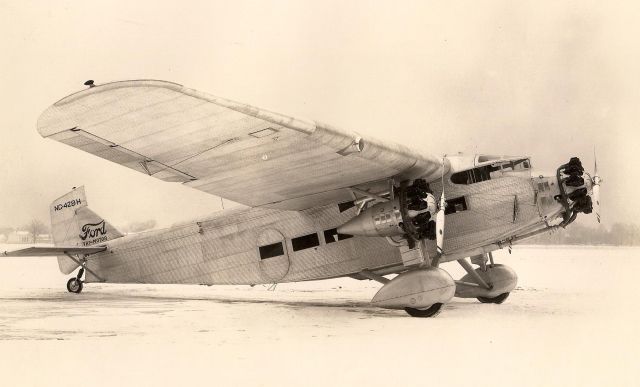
x: 579, y: 191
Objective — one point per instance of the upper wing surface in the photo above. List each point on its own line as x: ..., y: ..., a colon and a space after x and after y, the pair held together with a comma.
x: 233, y: 150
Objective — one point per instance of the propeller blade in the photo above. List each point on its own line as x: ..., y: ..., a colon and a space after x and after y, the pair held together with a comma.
x: 440, y: 225
x: 596, y: 201
x: 440, y: 217
x: 595, y: 189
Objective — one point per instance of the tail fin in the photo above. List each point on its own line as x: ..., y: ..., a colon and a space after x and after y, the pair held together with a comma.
x: 74, y: 224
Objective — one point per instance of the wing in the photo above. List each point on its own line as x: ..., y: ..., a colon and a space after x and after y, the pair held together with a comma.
x: 236, y: 151
x: 52, y: 251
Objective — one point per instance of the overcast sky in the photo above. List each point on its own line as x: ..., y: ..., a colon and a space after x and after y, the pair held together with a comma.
x: 549, y: 80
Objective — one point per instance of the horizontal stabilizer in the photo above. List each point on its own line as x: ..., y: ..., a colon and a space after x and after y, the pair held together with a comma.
x: 52, y: 251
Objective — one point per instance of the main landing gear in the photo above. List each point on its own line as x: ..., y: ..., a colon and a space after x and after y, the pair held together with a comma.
x: 75, y: 284
x: 423, y: 291
x: 431, y: 311
x: 490, y: 283
x: 494, y: 300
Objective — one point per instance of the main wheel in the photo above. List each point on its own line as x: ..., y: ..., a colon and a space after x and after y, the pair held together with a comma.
x: 499, y: 299
x: 431, y: 311
x: 74, y: 285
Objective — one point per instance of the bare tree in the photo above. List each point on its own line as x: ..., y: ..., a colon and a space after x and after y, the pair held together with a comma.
x: 36, y: 227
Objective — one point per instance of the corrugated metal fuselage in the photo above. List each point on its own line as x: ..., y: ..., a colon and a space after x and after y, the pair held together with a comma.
x: 224, y: 249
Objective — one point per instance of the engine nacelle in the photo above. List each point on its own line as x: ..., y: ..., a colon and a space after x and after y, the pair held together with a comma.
x: 382, y: 219
x: 410, y: 212
x: 502, y: 278
x: 416, y: 289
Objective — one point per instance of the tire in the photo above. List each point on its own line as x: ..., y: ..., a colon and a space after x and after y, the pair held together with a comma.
x: 499, y: 299
x: 74, y: 285
x: 431, y: 311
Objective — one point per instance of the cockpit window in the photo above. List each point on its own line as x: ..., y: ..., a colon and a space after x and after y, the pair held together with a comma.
x: 485, y: 158
x: 521, y: 164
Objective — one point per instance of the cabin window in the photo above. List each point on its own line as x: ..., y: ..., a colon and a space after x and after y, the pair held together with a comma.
x: 305, y: 242
x: 460, y: 178
x: 272, y: 250
x: 332, y: 235
x: 456, y: 205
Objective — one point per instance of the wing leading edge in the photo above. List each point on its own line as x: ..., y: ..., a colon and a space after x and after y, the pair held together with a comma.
x: 225, y: 148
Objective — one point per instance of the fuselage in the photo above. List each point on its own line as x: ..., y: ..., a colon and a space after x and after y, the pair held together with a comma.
x: 488, y: 203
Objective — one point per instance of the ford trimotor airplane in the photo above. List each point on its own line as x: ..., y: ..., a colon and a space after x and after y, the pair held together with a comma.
x: 324, y: 203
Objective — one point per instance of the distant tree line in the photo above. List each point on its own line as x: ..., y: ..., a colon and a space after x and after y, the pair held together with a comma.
x: 36, y: 227
x: 134, y: 227
x: 620, y: 234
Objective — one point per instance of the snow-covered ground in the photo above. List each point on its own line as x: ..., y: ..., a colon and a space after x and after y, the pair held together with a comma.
x: 573, y: 321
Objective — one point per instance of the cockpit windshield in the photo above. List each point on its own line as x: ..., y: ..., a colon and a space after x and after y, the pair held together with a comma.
x: 492, y: 171
x: 516, y: 165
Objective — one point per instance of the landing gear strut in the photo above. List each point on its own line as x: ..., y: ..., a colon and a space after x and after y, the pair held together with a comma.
x: 490, y: 283
x: 74, y: 285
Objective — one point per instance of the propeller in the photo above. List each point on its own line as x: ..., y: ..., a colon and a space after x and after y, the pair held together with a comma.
x: 440, y: 218
x: 595, y: 189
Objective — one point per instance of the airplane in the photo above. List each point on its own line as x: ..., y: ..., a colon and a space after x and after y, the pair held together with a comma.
x: 321, y: 202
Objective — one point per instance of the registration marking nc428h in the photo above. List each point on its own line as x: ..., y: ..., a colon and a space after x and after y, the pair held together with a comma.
x: 70, y: 203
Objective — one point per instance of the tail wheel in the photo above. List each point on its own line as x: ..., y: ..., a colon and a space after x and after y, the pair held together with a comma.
x: 74, y: 285
x: 499, y: 299
x: 431, y: 311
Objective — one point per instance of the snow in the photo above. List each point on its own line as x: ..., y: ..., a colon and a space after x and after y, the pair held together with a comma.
x: 571, y: 322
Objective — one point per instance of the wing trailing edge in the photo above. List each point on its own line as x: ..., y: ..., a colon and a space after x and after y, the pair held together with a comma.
x: 37, y: 251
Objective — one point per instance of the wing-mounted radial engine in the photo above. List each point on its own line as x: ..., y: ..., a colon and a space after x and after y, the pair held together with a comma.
x: 409, y: 212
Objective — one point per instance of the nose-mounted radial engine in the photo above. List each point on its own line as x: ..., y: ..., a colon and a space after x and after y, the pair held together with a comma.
x: 409, y: 211
x: 573, y: 187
